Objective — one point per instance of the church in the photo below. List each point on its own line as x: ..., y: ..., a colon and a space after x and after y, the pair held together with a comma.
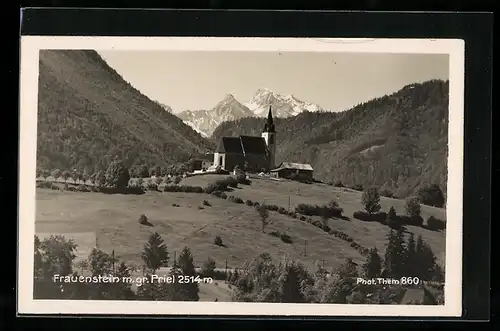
x: 254, y: 154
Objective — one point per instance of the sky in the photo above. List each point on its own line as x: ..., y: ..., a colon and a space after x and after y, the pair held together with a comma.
x: 336, y: 81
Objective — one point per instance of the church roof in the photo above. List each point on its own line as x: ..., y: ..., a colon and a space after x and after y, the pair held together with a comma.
x: 230, y: 145
x: 253, y: 145
x: 243, y: 145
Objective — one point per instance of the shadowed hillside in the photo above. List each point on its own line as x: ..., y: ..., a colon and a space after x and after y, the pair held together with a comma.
x: 88, y: 116
x: 396, y: 142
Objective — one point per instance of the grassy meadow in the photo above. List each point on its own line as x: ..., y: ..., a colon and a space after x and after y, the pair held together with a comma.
x: 110, y: 221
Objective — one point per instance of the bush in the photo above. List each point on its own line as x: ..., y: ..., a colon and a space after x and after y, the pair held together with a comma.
x: 143, y: 219
x: 412, y: 206
x: 411, y: 220
x: 367, y: 217
x: 371, y: 200
x: 117, y: 175
x: 232, y: 182
x: 152, y: 186
x: 82, y: 188
x: 135, y: 189
x: 331, y: 210
x: 206, y: 203
x: 393, y: 221
x: 218, y: 241
x: 208, y: 268
x: 249, y: 203
x: 44, y: 185
x: 282, y: 235
x: 357, y: 187
x: 183, y: 188
x: 386, y: 193
x: 434, y: 223
x: 219, y: 185
x: 219, y: 194
x: 338, y: 183
x: 177, y: 179
x: 235, y: 199
x: 431, y: 195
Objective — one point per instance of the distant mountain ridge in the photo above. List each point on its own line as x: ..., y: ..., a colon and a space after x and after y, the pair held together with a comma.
x: 206, y: 121
x: 88, y: 115
x: 396, y: 142
x: 283, y: 105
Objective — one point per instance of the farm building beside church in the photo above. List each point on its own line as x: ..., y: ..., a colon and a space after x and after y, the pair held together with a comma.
x: 248, y: 152
x: 293, y: 171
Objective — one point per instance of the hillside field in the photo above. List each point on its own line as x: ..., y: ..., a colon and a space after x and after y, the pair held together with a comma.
x: 114, y: 220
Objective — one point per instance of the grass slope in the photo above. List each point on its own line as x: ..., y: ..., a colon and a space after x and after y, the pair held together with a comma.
x: 396, y: 142
x: 88, y: 115
x: 114, y: 219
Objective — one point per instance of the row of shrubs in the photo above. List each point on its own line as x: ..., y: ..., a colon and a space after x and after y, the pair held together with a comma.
x: 90, y: 188
x: 358, y: 187
x: 433, y: 223
x: 317, y: 223
x: 224, y: 184
x: 330, y: 210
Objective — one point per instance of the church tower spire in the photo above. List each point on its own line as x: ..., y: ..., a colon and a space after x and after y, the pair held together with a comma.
x: 269, y: 126
x: 269, y: 135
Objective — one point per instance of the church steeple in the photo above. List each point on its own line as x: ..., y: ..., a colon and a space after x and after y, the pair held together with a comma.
x: 269, y: 126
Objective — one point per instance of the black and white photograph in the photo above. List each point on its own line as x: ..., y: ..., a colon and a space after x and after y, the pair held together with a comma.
x: 228, y: 175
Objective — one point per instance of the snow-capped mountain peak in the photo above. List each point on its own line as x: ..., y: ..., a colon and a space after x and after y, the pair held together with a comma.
x: 283, y: 105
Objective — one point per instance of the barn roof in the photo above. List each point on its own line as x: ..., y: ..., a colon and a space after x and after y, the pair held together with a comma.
x: 294, y: 166
x: 230, y: 145
x: 253, y: 145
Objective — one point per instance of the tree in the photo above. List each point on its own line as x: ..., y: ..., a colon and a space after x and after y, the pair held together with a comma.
x: 187, y: 269
x: 291, y: 277
x: 373, y: 264
x: 264, y: 216
x: 154, y: 253
x: 100, y: 179
x: 117, y: 175
x: 348, y: 269
x: 412, y: 207
x: 431, y: 195
x: 411, y: 256
x: 392, y: 219
x: 425, y: 260
x: 143, y: 171
x: 53, y: 257
x: 56, y: 173
x: 371, y: 200
x: 208, y: 268
x: 65, y: 175
x: 395, y: 255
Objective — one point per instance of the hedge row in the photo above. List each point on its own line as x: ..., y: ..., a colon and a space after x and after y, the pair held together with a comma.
x: 338, y: 234
x: 330, y: 210
x: 400, y: 220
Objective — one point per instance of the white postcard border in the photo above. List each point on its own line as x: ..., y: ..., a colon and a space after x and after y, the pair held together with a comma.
x: 30, y: 46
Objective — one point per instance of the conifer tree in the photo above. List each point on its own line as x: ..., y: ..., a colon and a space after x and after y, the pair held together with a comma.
x: 395, y: 254
x: 410, y: 256
x: 371, y: 200
x: 425, y: 260
x: 187, y: 269
x: 154, y: 253
x: 373, y: 265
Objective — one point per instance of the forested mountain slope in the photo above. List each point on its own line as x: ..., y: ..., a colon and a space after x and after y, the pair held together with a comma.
x: 396, y: 142
x: 88, y: 116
